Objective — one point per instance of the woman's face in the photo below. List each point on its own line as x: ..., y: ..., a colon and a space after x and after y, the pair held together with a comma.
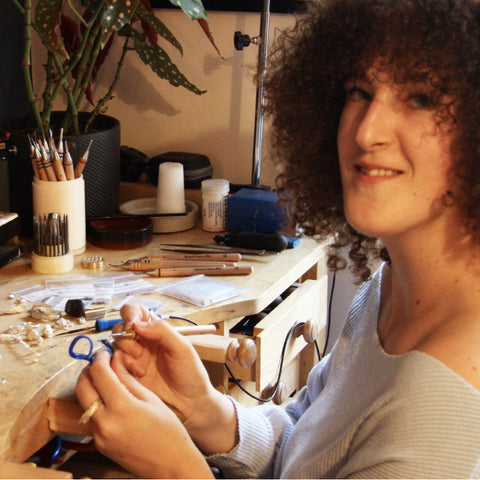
x: 394, y: 157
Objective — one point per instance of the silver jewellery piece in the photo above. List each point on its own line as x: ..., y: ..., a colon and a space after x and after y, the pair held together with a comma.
x: 44, y: 313
x: 88, y: 413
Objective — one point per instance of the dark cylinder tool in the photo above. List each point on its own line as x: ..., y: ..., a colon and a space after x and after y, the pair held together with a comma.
x: 273, y: 242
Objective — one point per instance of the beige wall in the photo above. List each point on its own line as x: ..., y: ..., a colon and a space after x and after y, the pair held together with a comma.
x: 156, y: 117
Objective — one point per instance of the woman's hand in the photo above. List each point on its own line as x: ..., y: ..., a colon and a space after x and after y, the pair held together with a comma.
x: 162, y: 360
x: 134, y: 427
x: 166, y: 363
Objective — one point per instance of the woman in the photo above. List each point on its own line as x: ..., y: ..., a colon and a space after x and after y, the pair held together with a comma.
x: 375, y: 108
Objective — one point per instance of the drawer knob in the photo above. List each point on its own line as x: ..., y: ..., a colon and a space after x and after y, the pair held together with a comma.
x: 307, y: 329
x: 280, y: 395
x: 245, y: 351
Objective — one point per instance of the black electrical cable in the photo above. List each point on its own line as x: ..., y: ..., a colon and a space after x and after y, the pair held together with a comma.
x: 317, y: 349
x: 184, y: 319
x: 329, y: 314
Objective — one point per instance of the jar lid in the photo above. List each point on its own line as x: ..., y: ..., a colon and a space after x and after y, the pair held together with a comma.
x: 219, y: 185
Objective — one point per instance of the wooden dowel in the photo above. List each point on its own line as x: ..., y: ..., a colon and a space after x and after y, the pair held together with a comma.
x: 196, y: 329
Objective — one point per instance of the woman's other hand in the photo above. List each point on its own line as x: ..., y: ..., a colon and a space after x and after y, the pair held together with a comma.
x: 134, y: 427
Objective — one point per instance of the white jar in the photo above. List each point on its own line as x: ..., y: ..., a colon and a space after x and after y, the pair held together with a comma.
x: 214, y: 204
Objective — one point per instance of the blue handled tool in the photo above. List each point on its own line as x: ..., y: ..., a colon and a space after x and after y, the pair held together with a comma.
x: 89, y: 355
x: 101, y: 324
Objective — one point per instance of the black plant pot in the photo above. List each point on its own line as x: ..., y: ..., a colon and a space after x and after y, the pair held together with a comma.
x: 101, y: 173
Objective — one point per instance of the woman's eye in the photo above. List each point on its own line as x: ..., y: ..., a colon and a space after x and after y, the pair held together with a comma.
x: 421, y: 101
x: 356, y: 93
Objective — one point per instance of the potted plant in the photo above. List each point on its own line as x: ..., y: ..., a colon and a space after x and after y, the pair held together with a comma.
x: 78, y: 37
x: 78, y: 41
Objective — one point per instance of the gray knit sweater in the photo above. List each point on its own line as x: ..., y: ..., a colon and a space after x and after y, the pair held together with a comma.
x: 364, y: 414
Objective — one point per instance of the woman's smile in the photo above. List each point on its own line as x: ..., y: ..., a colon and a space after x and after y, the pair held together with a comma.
x: 376, y: 171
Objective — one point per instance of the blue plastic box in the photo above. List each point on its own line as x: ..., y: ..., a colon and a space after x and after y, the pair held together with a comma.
x: 255, y: 210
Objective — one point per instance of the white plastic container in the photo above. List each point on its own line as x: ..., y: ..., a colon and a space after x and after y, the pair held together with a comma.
x: 66, y: 198
x: 214, y: 204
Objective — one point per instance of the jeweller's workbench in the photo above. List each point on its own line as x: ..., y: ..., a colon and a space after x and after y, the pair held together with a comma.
x: 37, y: 383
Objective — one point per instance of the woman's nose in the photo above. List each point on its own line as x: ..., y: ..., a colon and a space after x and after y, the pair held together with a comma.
x: 375, y: 126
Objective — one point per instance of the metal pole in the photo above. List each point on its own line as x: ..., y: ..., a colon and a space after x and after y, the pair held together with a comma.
x: 259, y: 108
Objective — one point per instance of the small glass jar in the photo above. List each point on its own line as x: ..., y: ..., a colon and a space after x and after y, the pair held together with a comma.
x: 214, y: 204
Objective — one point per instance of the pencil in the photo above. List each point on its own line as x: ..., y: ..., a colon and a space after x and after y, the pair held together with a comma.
x: 209, y: 271
x: 40, y: 167
x: 225, y: 257
x: 144, y: 266
x: 47, y: 164
x: 82, y: 161
x: 60, y: 145
x: 33, y: 159
x: 68, y: 164
x: 57, y: 163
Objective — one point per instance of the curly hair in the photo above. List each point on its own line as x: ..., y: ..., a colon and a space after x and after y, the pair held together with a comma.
x: 432, y: 42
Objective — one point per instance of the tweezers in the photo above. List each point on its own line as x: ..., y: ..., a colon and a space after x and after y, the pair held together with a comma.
x: 198, y: 248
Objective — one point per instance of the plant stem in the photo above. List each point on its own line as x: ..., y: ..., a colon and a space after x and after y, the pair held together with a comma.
x: 108, y: 95
x: 26, y: 63
x: 49, y: 88
x: 87, y: 64
x: 84, y: 52
x: 77, y: 14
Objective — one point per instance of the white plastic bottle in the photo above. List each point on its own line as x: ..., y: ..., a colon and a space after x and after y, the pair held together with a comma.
x: 214, y: 204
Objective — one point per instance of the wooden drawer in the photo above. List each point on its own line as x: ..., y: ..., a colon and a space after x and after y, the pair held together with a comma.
x: 306, y: 305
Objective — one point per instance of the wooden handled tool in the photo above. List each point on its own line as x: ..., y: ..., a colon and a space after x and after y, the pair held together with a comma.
x: 210, y: 271
x: 190, y: 330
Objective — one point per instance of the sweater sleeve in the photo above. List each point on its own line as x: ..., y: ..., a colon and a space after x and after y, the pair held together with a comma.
x: 263, y: 429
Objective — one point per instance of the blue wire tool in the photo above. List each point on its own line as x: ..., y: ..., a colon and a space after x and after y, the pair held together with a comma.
x: 101, y: 325
x: 90, y: 354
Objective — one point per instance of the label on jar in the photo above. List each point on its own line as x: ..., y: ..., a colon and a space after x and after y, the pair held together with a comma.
x: 214, y: 213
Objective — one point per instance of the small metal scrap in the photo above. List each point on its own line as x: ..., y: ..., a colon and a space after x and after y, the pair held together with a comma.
x: 12, y: 306
x: 93, y: 262
x: 126, y: 334
x: 44, y: 313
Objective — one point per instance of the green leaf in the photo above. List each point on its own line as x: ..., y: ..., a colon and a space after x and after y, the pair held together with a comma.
x: 159, y: 27
x: 194, y: 9
x: 47, y: 20
x: 160, y: 63
x: 116, y: 15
